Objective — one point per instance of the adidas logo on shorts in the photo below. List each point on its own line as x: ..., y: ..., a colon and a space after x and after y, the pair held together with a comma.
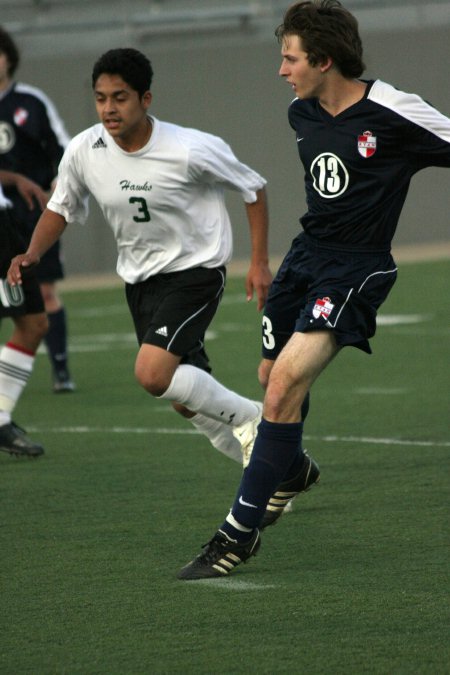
x: 162, y: 331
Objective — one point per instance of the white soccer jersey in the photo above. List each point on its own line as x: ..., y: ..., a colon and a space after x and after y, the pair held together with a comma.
x: 165, y: 203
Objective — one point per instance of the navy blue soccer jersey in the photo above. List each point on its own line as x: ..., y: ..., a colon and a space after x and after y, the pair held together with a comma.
x: 32, y: 140
x: 358, y: 165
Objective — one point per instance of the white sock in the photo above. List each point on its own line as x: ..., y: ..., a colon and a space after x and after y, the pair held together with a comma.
x: 220, y: 436
x: 201, y: 393
x: 15, y: 369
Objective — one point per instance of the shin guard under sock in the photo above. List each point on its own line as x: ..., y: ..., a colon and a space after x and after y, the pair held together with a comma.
x: 276, y: 448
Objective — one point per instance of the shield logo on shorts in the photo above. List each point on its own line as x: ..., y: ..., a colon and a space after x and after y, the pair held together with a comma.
x: 367, y: 144
x: 322, y: 308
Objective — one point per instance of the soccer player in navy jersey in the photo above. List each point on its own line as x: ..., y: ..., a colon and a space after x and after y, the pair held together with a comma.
x: 32, y: 142
x: 360, y: 142
x: 25, y: 308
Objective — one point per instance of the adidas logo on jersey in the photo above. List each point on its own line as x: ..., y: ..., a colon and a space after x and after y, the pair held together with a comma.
x: 99, y: 144
x: 162, y: 331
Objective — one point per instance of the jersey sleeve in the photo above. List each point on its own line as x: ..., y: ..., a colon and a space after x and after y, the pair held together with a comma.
x: 53, y: 135
x: 211, y: 160
x: 70, y: 198
x: 429, y: 139
x: 425, y: 130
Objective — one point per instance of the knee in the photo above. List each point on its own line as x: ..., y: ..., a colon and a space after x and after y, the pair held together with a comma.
x: 282, y: 401
x: 151, y: 380
x: 52, y: 301
x: 274, y: 403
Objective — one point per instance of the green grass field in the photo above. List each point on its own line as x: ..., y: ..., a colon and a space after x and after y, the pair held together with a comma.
x: 354, y: 580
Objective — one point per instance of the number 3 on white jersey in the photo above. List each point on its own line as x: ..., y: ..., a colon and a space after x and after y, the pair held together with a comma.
x: 268, y: 338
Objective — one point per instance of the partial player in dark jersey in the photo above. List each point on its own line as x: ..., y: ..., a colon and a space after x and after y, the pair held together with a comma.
x: 25, y: 308
x: 32, y: 142
x: 360, y: 142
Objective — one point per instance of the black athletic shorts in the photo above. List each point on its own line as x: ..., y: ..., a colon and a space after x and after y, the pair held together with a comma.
x: 20, y: 300
x: 319, y: 287
x: 173, y: 310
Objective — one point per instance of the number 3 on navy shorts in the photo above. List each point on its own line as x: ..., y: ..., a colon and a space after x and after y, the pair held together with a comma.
x: 268, y: 338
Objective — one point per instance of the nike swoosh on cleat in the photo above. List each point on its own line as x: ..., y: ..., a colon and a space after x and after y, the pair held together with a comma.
x: 241, y: 501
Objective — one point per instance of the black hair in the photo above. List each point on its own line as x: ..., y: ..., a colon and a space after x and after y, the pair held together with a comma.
x: 9, y: 47
x: 327, y: 30
x: 133, y: 67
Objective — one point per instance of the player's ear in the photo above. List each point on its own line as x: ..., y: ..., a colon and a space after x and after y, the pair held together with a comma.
x: 147, y: 99
x: 326, y: 65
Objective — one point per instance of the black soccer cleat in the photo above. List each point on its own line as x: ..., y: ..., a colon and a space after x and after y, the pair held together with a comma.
x: 62, y: 384
x: 219, y: 557
x: 14, y: 440
x: 306, y: 478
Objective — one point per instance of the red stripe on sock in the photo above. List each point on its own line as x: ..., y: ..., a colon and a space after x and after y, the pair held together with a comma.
x: 11, y: 345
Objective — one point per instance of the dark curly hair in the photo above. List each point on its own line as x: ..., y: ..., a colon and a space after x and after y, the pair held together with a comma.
x: 133, y: 67
x: 327, y: 30
x: 9, y: 47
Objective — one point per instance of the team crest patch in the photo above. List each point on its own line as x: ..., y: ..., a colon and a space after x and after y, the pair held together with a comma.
x: 322, y: 308
x: 367, y: 144
x: 20, y: 116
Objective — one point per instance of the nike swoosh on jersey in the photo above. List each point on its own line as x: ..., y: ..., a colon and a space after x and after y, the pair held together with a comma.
x: 241, y: 501
x: 300, y: 139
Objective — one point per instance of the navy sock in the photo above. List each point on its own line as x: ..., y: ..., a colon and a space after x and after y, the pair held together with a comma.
x: 276, y: 448
x: 56, y: 341
x: 299, y: 460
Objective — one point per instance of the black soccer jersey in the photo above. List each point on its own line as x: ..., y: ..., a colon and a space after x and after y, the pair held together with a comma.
x: 32, y: 140
x: 358, y: 165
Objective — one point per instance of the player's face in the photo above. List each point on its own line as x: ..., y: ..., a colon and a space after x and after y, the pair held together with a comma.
x: 122, y: 111
x: 306, y: 80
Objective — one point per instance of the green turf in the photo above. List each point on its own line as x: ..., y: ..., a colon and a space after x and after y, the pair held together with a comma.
x: 355, y: 580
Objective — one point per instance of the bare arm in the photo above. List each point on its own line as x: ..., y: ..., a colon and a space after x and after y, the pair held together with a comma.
x: 28, y: 189
x: 259, y: 276
x: 48, y: 230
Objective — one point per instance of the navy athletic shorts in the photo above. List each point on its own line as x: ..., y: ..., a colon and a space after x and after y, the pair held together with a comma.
x: 319, y: 287
x: 173, y: 310
x: 50, y: 268
x: 20, y: 300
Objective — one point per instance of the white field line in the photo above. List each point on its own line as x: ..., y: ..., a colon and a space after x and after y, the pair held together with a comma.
x: 98, y: 342
x: 227, y: 584
x: 363, y: 440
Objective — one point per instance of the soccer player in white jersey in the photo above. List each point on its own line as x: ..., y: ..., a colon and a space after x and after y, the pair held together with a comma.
x: 360, y: 142
x: 25, y: 307
x: 161, y: 189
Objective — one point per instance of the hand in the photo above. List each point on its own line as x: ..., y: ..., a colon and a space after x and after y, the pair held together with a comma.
x: 31, y: 192
x: 19, y: 266
x: 259, y: 278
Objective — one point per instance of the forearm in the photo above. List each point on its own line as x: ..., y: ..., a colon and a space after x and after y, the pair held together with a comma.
x: 9, y: 178
x: 259, y: 276
x: 48, y: 230
x: 258, y: 219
